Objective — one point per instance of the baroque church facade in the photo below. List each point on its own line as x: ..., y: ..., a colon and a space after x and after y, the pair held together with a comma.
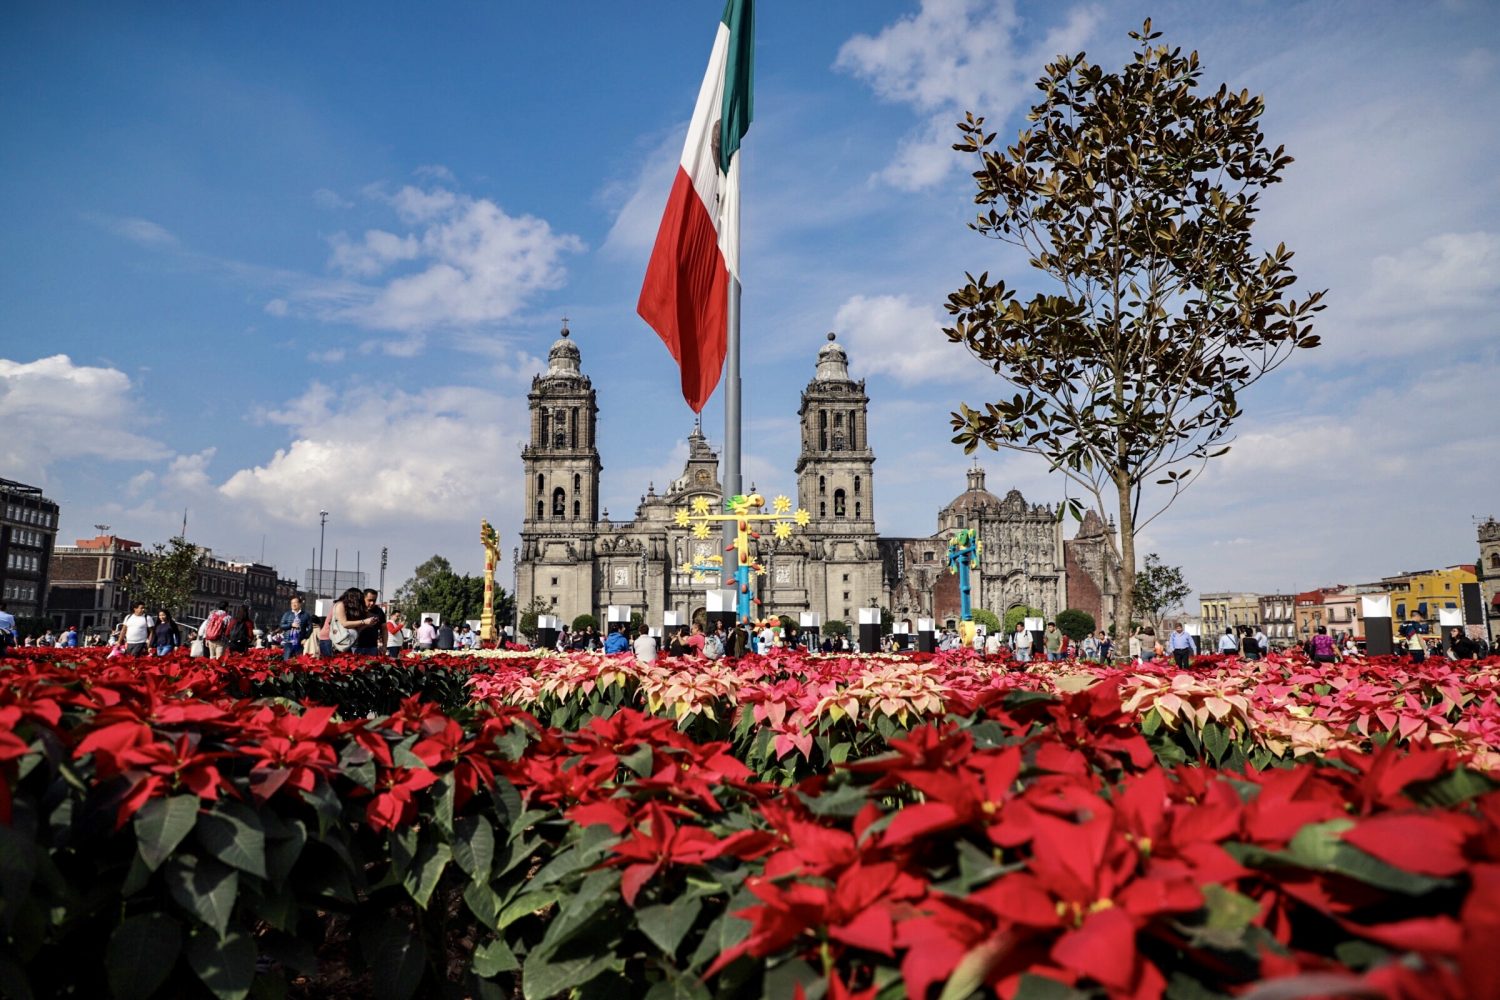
x: 578, y: 560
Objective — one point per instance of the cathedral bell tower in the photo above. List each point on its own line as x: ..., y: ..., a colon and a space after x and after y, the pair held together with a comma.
x: 835, y: 470
x: 561, y: 463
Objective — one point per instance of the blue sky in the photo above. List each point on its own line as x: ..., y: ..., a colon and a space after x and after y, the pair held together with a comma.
x: 262, y: 259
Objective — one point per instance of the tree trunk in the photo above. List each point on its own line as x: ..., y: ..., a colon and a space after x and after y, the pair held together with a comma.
x: 1125, y: 608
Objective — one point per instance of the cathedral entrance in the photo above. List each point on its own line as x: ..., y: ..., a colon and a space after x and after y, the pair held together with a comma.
x: 700, y: 618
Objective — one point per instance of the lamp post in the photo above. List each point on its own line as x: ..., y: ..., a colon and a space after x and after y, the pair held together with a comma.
x: 384, y: 553
x: 322, y: 533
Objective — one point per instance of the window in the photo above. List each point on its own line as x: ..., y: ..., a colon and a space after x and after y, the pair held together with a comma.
x: 822, y: 486
x: 554, y: 581
x: 822, y: 508
x: 577, y: 510
x: 541, y: 484
x: 856, y: 508
x: 1495, y: 560
x: 577, y: 482
x: 846, y: 595
x: 541, y: 510
x: 838, y: 503
x: 857, y: 481
x: 846, y: 577
x: 559, y: 503
x: 928, y: 556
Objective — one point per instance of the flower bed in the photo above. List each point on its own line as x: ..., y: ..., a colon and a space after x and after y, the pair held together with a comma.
x: 1031, y: 833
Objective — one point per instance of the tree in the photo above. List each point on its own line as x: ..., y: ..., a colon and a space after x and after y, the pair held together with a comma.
x: 1016, y: 616
x: 987, y: 619
x: 435, y: 587
x: 167, y: 578
x: 1136, y: 194
x: 1159, y: 591
x: 584, y: 621
x: 835, y: 627
x: 527, y: 625
x: 1076, y: 625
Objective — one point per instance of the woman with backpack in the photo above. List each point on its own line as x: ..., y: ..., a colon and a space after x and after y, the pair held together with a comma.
x: 241, y: 630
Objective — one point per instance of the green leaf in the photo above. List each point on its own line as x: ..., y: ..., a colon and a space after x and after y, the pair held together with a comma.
x: 233, y: 833
x: 1452, y: 789
x: 544, y: 977
x: 639, y: 760
x: 483, y: 903
x: 474, y: 846
x: 426, y: 869
x: 283, y: 851
x: 1034, y: 987
x: 528, y: 903
x: 161, y: 824
x: 227, y: 967
x: 578, y: 908
x: 396, y: 957
x: 679, y: 986
x: 140, y: 955
x: 1215, y: 740
x: 666, y: 925
x: 494, y: 958
x: 846, y: 801
x: 204, y: 888
x: 1316, y: 844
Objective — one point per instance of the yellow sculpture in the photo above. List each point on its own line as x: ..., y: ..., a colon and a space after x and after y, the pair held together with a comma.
x: 744, y: 509
x: 491, y: 542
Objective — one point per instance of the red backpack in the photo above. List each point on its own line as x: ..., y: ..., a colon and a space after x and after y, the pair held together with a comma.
x: 216, y: 626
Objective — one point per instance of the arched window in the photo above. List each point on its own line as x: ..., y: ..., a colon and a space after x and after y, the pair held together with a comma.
x: 822, y: 508
x: 857, y: 509
x: 541, y: 509
x: 559, y: 503
x: 577, y: 510
x: 546, y: 423
x: 853, y: 428
x: 856, y: 485
x: 823, y: 430
x: 541, y: 485
x: 575, y: 429
x: 577, y: 482
x: 822, y: 486
x: 1495, y: 560
x: 838, y: 503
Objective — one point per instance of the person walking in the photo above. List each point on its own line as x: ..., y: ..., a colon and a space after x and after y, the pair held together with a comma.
x: 444, y: 639
x: 215, y: 631
x: 1228, y: 644
x: 69, y: 638
x: 7, y: 629
x: 295, y: 624
x: 164, y: 637
x: 135, y: 630
x: 1183, y: 647
x: 1052, y: 640
x: 1322, y: 648
x: 395, y: 636
x: 426, y: 635
x: 241, y: 630
x: 1262, y: 643
x: 1106, y: 646
x: 1021, y: 645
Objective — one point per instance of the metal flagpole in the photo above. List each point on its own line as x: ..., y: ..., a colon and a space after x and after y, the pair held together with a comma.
x: 733, y: 480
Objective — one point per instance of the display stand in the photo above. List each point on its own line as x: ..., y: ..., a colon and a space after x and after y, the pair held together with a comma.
x: 1376, y: 612
x: 926, y: 636
x: 869, y: 630
x: 547, y: 628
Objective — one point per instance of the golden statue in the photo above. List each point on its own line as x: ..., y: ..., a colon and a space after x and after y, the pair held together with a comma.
x: 491, y: 542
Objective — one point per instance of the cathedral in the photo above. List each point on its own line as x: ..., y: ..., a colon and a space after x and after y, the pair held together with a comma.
x: 578, y: 560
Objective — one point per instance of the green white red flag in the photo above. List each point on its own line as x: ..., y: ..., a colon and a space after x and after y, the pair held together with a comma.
x: 685, y: 297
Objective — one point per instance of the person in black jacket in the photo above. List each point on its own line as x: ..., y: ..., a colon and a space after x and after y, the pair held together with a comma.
x: 241, y: 630
x: 164, y: 637
x: 444, y: 637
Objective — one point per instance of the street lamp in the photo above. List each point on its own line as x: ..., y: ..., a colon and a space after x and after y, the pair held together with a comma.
x: 322, y: 532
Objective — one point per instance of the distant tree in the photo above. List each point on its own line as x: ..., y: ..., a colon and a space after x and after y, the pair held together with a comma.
x: 527, y: 625
x: 1015, y: 616
x: 835, y: 627
x: 991, y: 623
x: 1159, y: 591
x: 1136, y: 194
x: 584, y: 621
x: 167, y: 578
x: 1076, y: 625
x: 435, y: 587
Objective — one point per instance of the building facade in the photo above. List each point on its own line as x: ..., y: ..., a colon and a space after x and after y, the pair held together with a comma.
x: 575, y: 559
x: 1278, y: 616
x: 1487, y: 571
x: 28, y: 533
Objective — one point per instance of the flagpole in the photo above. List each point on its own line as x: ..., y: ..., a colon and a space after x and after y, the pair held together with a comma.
x: 733, y: 480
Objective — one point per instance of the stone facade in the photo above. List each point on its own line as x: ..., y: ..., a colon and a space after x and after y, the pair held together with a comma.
x: 578, y: 561
x: 1488, y: 572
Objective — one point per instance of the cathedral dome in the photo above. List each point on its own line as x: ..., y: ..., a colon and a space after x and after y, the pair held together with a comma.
x: 975, y: 499
x: 564, y: 357
x: 833, y: 363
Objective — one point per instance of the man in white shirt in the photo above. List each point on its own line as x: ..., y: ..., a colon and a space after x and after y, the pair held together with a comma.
x: 1228, y: 644
x: 137, y: 630
x: 1021, y: 644
x: 1262, y: 644
x: 645, y: 646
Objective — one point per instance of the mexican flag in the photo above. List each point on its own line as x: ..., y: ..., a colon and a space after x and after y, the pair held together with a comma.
x: 685, y: 296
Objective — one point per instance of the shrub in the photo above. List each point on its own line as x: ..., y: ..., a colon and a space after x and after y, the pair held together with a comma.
x: 987, y: 619
x: 1014, y: 617
x: 584, y: 621
x: 1075, y: 624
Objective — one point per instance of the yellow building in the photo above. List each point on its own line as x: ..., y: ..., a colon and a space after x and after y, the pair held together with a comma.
x: 1417, y: 597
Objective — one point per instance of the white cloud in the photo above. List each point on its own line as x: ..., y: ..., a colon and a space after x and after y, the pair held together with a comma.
x: 637, y: 204
x: 380, y: 457
x: 1450, y: 269
x: 949, y: 57
x: 892, y: 335
x: 143, y: 232
x: 467, y: 263
x: 56, y: 412
x: 331, y: 200
x: 189, y: 473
